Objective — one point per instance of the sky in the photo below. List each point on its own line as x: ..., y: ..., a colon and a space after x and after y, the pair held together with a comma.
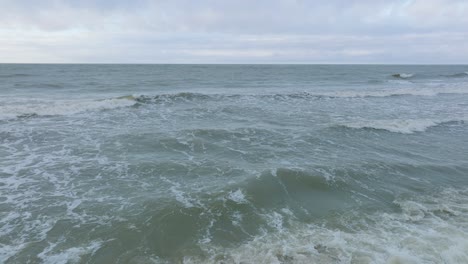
x: 240, y: 31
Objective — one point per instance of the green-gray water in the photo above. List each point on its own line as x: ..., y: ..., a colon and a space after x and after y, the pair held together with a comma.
x: 233, y: 164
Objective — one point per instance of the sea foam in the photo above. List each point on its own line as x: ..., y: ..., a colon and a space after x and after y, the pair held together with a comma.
x: 403, y: 75
x: 29, y: 108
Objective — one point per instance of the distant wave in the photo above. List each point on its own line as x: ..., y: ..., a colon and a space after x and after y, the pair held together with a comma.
x: 406, y: 76
x: 188, y: 96
x: 34, y: 108
x: 403, y: 126
x: 29, y: 109
x: 457, y: 75
x: 183, y: 96
x: 403, y: 75
x: 15, y: 75
x: 382, y: 93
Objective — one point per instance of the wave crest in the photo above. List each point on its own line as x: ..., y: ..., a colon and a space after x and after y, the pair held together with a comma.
x: 34, y: 108
x: 403, y: 126
x: 403, y: 75
x: 161, y: 98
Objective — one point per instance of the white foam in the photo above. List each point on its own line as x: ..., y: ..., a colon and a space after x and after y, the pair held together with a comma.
x: 237, y: 218
x: 396, y: 125
x: 406, y: 75
x: 275, y: 220
x: 404, y: 126
x: 69, y: 255
x: 59, y: 107
x: 181, y: 196
x: 237, y: 196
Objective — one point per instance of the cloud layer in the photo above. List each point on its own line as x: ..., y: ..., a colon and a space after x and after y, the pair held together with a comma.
x: 209, y: 31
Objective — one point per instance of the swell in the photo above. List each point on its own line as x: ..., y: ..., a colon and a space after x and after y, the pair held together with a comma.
x: 424, y: 223
x: 238, y: 212
x: 269, y: 203
x: 14, y: 75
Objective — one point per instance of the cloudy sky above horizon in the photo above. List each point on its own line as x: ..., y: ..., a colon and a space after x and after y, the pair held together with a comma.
x: 242, y: 31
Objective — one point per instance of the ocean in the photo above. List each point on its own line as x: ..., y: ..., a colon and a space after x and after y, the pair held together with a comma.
x: 233, y: 163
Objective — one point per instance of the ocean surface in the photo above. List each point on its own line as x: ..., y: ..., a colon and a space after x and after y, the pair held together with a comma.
x: 233, y: 164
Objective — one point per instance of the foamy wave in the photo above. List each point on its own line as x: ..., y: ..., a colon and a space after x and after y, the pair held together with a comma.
x: 432, y: 229
x: 237, y: 197
x: 403, y: 75
x: 70, y: 255
x: 28, y: 108
x: 404, y: 126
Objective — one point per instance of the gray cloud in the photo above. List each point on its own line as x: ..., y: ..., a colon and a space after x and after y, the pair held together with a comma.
x: 279, y: 31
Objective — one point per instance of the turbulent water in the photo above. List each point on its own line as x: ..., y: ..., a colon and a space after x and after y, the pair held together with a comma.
x: 233, y: 164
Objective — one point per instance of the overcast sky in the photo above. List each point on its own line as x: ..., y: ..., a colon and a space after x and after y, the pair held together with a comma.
x: 241, y: 31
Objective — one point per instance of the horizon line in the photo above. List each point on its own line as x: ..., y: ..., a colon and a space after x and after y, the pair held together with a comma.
x: 177, y: 63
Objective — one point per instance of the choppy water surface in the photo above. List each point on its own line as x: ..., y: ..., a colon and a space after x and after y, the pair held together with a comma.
x: 233, y: 164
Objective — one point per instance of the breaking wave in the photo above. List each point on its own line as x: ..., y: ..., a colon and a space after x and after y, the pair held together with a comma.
x: 161, y: 98
x: 190, y: 97
x: 403, y: 126
x: 35, y: 108
x: 430, y: 229
x: 403, y: 75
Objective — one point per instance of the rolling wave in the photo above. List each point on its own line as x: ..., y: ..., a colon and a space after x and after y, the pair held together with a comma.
x: 239, y: 216
x: 425, y: 229
x: 457, y: 75
x: 403, y: 126
x: 189, y: 96
x: 183, y: 96
x: 403, y: 75
x: 240, y: 211
x: 34, y: 108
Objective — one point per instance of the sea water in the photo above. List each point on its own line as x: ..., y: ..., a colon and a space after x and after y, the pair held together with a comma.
x: 233, y: 164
